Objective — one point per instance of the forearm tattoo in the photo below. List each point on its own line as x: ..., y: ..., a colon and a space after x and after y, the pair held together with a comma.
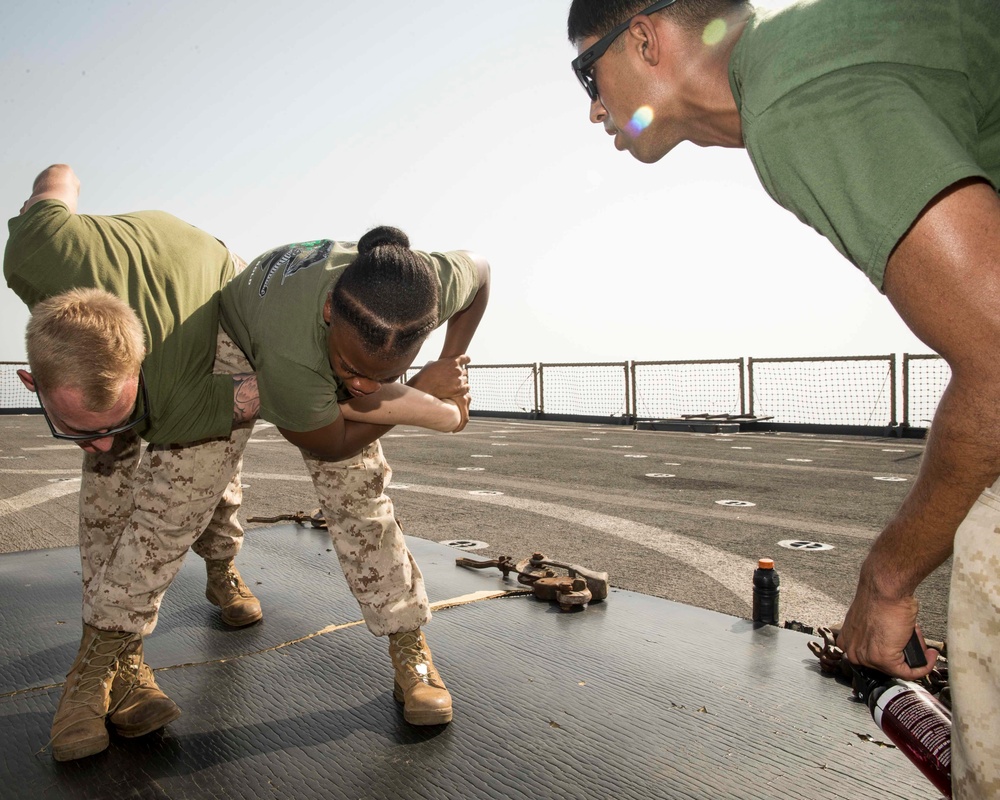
x: 246, y: 399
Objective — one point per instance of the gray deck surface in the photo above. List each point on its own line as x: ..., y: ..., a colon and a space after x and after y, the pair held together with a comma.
x: 623, y: 683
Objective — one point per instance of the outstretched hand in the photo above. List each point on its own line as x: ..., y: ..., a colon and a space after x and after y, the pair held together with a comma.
x: 444, y: 378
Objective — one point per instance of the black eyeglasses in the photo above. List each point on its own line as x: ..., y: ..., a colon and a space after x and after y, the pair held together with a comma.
x: 583, y: 64
x: 139, y: 414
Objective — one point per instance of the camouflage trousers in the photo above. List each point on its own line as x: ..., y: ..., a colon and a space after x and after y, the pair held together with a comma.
x: 974, y: 651
x: 382, y: 574
x: 139, y: 515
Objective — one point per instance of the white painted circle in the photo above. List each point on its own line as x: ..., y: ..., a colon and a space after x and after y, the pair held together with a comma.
x: 800, y: 460
x: 485, y: 492
x: 635, y: 455
x: 659, y: 475
x: 800, y: 544
x: 735, y: 503
x: 472, y: 469
x: 465, y: 544
x: 889, y: 479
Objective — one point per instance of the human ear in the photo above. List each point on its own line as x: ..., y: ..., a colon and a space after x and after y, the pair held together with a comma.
x: 27, y: 380
x: 647, y: 37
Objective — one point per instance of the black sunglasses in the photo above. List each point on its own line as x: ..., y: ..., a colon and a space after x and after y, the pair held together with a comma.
x: 139, y: 414
x: 583, y: 64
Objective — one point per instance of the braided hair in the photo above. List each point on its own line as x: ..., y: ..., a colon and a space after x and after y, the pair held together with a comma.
x: 388, y: 294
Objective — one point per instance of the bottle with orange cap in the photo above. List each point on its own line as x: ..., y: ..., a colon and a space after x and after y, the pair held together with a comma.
x: 766, y: 588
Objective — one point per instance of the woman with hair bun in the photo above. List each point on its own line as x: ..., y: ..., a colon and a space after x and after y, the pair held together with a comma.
x: 329, y: 328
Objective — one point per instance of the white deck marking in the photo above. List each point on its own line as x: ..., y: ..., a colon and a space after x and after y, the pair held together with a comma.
x: 798, y: 600
x: 36, y: 497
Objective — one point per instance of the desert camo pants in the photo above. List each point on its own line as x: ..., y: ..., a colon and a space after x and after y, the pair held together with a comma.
x: 139, y: 515
x: 382, y: 574
x: 974, y: 651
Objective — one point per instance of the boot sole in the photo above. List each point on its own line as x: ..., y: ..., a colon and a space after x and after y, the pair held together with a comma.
x: 89, y: 747
x: 241, y: 623
x: 438, y: 716
x: 441, y: 717
x: 154, y: 725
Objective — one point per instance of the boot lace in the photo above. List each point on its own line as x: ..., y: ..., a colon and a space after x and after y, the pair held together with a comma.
x: 411, y: 655
x: 98, y: 665
x: 233, y: 583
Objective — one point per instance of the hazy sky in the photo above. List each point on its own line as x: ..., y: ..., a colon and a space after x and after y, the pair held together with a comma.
x: 461, y: 123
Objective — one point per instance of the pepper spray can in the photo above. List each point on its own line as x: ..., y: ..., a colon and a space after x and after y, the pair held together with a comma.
x: 914, y: 720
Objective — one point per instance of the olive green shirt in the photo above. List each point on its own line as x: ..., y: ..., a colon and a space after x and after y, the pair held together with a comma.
x: 857, y: 113
x: 168, y: 271
x: 274, y: 312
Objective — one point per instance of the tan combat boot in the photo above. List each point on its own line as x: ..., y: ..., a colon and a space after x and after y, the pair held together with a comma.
x: 138, y: 705
x: 78, y: 729
x: 418, y: 686
x: 227, y: 591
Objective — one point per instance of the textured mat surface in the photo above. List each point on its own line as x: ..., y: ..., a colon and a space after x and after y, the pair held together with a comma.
x: 633, y: 698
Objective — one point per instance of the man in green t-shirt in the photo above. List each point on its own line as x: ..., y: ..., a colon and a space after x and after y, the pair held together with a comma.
x: 124, y: 342
x: 878, y: 124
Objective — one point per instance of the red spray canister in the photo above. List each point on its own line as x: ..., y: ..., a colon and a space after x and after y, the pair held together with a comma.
x: 914, y: 720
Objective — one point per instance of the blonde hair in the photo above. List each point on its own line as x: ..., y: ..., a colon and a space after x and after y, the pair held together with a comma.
x: 88, y: 339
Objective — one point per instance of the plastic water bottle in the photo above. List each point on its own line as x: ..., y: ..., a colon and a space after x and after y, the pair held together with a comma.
x: 914, y: 720
x: 766, y: 588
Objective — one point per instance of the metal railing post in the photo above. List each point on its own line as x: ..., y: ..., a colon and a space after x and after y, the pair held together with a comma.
x: 540, y: 397
x: 892, y: 411
x: 635, y: 399
x: 743, y: 404
x: 906, y: 390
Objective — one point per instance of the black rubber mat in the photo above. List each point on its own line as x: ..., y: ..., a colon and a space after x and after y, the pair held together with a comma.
x: 635, y: 697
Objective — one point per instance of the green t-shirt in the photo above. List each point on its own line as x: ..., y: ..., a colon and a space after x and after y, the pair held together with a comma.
x: 168, y: 271
x: 274, y: 312
x: 856, y: 113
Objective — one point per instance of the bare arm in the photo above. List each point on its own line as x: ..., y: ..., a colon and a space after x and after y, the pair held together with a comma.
x: 944, y: 280
x: 447, y: 377
x: 57, y: 182
x: 462, y: 326
x: 398, y: 404
x: 339, y: 440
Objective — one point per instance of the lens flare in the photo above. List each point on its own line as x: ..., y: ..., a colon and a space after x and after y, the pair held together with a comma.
x: 714, y: 32
x: 640, y: 120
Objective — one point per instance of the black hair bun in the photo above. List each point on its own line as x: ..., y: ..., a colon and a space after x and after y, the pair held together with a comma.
x: 382, y: 235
